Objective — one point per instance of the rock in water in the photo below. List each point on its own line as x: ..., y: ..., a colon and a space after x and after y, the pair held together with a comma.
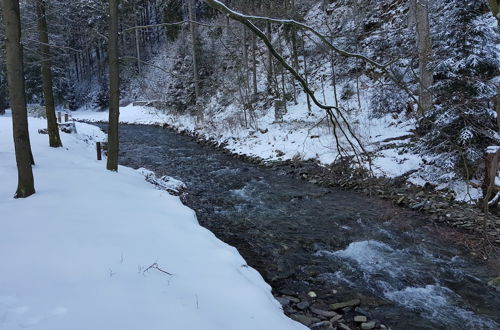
x: 312, y: 294
x: 283, y: 301
x: 360, y: 319
x: 301, y: 318
x: 323, y: 312
x: 302, y: 305
x: 368, y: 325
x: 350, y: 303
x: 495, y: 283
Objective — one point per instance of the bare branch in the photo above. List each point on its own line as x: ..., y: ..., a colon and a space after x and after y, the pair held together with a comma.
x: 325, y: 39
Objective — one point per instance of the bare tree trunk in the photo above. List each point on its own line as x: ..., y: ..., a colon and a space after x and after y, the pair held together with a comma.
x: 424, y: 46
x: 194, y: 50
x: 15, y: 77
x: 137, y: 45
x: 77, y: 69
x: 245, y: 59
x: 269, y: 36
x: 269, y: 60
x: 254, y: 64
x: 306, y: 76
x: 100, y: 56
x: 495, y: 6
x: 334, y: 80
x: 495, y: 10
x: 114, y: 87
x: 46, y: 69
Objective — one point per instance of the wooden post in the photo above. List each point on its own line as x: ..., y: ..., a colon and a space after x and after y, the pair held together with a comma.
x: 99, y: 150
x: 66, y: 117
x: 58, y: 116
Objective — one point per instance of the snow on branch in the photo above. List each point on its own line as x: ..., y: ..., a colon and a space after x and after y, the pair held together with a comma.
x: 216, y: 4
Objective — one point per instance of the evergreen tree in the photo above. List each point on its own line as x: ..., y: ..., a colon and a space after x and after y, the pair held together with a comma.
x: 462, y: 122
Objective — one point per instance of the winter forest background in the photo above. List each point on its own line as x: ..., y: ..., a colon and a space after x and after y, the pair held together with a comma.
x: 223, y: 76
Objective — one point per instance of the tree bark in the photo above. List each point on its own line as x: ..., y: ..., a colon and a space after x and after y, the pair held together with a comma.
x: 15, y: 78
x: 495, y: 6
x: 254, y: 65
x: 194, y: 49
x: 309, y: 107
x: 46, y: 70
x: 424, y: 46
x: 114, y: 87
x: 245, y: 59
x: 270, y: 68
x: 137, y: 45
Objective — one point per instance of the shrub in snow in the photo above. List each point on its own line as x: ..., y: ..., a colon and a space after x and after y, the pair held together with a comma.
x: 102, y: 99
x: 37, y: 111
x: 388, y: 99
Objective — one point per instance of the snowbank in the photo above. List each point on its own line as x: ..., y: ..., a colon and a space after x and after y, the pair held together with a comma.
x: 94, y: 250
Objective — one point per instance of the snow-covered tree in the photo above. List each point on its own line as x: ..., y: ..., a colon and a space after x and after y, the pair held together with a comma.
x: 466, y: 61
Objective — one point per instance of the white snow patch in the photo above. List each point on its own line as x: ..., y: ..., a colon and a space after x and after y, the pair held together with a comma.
x: 75, y: 254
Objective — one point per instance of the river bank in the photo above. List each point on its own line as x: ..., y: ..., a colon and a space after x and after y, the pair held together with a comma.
x: 305, y: 237
x: 476, y: 231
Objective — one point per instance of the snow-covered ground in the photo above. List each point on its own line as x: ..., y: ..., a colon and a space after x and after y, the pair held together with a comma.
x: 99, y: 250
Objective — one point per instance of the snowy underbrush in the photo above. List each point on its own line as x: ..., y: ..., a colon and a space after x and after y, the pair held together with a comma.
x: 97, y: 250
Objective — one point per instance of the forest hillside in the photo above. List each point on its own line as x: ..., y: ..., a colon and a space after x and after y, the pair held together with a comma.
x: 420, y: 97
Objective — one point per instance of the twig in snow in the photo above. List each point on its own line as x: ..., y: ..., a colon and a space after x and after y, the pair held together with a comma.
x: 155, y: 266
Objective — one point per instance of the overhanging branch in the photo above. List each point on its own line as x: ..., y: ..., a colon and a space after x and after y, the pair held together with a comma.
x: 332, y: 111
x: 325, y: 39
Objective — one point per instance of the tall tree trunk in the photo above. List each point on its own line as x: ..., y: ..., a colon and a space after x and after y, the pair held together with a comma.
x: 98, y: 59
x: 269, y: 60
x: 245, y: 60
x: 15, y: 78
x: 495, y: 10
x: 137, y: 44
x: 254, y: 64
x: 77, y: 69
x: 114, y: 87
x: 270, y: 69
x: 46, y: 70
x: 306, y: 74
x: 424, y: 46
x: 194, y: 49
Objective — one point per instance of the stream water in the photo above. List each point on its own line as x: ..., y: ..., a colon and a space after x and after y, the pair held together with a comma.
x: 340, y: 244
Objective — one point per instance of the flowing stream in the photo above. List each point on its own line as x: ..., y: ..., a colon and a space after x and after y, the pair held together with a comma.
x: 340, y: 244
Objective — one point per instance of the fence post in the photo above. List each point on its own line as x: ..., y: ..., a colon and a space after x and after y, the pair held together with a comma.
x: 99, y: 150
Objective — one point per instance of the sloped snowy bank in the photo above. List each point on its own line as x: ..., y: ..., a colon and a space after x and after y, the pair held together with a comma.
x: 99, y: 250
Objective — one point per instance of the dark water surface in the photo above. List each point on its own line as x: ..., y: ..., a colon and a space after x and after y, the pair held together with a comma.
x: 340, y: 244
